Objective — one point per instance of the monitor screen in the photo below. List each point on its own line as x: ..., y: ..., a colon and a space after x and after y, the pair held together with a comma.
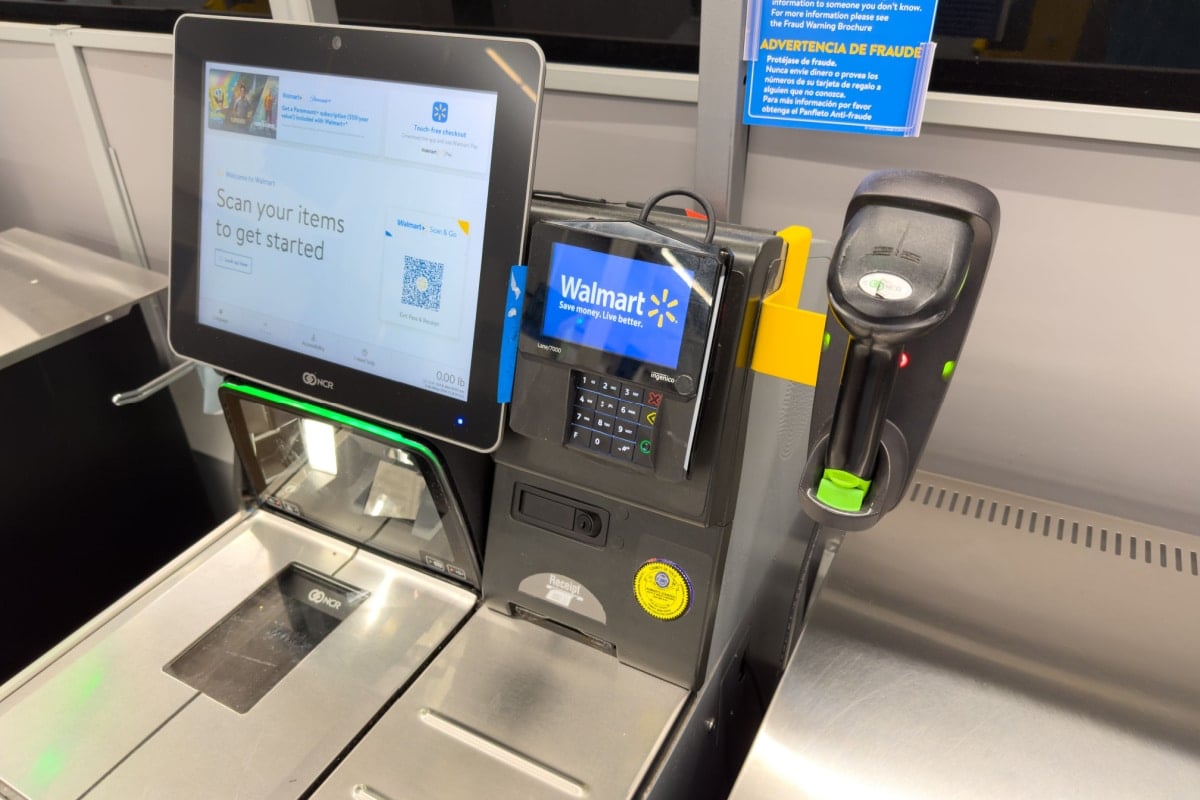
x: 622, y: 299
x: 622, y: 306
x: 344, y: 218
x: 348, y: 203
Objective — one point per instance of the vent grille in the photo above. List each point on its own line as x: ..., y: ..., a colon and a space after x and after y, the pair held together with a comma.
x: 1120, y: 544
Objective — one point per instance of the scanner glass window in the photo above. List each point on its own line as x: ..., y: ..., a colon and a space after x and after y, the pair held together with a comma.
x: 256, y: 645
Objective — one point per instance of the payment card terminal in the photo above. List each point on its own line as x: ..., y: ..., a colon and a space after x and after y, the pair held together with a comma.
x: 628, y: 310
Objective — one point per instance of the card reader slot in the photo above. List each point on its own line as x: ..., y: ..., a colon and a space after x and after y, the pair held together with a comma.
x: 560, y: 514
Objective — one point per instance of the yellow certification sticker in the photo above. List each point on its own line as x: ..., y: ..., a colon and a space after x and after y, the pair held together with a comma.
x: 662, y: 589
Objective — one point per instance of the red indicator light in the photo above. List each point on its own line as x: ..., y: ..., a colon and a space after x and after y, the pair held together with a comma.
x: 903, y: 360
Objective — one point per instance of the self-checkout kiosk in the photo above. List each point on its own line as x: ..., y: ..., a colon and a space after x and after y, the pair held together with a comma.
x: 389, y: 618
x: 524, y: 517
x: 347, y: 204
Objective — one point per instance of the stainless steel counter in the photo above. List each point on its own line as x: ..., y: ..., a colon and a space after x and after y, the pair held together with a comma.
x: 51, y: 291
x: 106, y: 720
x: 979, y: 644
x: 511, y: 711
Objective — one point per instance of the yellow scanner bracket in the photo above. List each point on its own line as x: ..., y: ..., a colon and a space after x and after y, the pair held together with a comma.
x: 788, y: 342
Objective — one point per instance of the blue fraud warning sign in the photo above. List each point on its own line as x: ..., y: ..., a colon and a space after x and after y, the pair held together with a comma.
x: 839, y: 65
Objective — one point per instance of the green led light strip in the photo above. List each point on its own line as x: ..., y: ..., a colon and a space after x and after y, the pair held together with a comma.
x: 332, y: 416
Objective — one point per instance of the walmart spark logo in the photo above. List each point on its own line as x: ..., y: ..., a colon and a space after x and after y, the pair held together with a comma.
x: 662, y: 308
x: 441, y: 112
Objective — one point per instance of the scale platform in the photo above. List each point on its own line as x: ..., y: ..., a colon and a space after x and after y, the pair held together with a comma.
x: 106, y: 717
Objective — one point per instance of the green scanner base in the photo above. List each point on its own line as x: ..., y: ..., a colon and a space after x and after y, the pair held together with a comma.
x: 842, y: 490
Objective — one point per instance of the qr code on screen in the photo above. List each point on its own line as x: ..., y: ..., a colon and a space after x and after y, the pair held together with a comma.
x: 422, y: 283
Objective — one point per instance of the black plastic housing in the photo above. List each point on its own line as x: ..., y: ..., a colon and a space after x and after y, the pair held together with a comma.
x: 904, y: 282
x: 653, y: 515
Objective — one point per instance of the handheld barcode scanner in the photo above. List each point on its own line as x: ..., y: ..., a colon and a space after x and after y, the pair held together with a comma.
x: 903, y: 285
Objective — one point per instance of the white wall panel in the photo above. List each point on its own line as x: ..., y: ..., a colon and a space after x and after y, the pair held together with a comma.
x: 1080, y: 379
x: 46, y: 182
x: 617, y: 148
x: 133, y: 92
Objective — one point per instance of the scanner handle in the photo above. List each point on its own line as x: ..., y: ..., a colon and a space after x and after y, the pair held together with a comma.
x: 870, y: 376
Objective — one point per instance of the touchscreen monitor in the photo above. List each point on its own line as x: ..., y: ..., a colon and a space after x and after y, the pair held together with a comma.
x: 347, y: 205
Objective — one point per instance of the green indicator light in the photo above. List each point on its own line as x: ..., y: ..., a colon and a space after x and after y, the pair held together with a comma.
x: 825, y: 342
x: 948, y: 370
x: 48, y: 766
x: 333, y: 416
x: 963, y: 283
x: 88, y: 683
x: 81, y: 684
x: 842, y: 490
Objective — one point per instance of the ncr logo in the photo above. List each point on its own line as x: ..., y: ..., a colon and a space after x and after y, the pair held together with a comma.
x: 441, y: 112
x: 311, y: 379
x: 319, y: 598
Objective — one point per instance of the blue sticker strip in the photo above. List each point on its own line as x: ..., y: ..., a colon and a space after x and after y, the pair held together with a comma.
x: 513, y: 304
x: 858, y: 66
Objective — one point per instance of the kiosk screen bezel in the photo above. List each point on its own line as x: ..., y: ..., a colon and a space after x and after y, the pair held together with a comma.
x: 511, y: 69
